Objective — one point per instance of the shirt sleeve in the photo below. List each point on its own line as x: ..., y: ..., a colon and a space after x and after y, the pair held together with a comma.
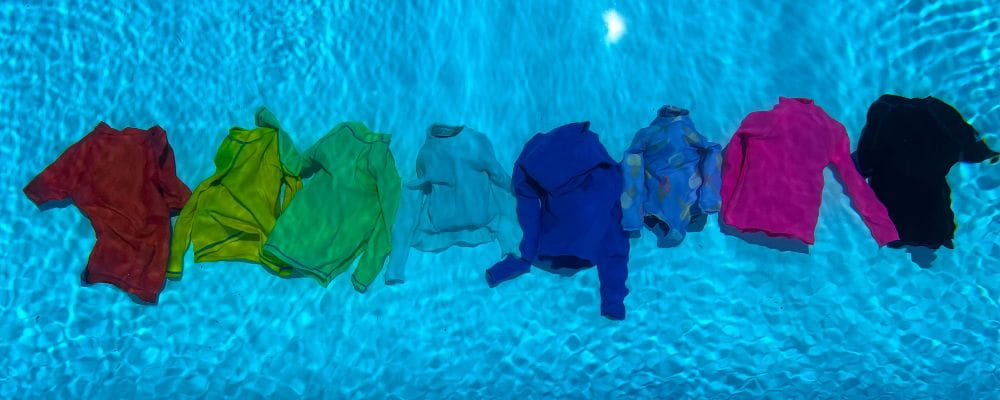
x: 508, y: 232
x: 310, y: 159
x: 870, y: 149
x: 733, y: 159
x: 872, y: 211
x: 288, y: 154
x: 291, y: 167
x: 488, y: 163
x: 634, y: 177
x: 411, y: 207
x: 60, y: 179
x: 612, y: 271
x: 528, y: 212
x: 383, y: 167
x: 710, y: 168
x: 291, y: 160
x: 181, y: 238
x: 971, y: 146
x: 174, y: 191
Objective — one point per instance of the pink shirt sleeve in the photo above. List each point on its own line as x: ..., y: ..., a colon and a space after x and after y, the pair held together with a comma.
x: 732, y: 166
x: 872, y: 212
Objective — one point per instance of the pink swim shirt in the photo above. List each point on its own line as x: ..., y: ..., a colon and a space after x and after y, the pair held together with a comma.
x: 772, y: 177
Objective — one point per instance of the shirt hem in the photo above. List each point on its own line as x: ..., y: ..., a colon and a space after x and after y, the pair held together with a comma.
x: 142, y: 294
x: 34, y: 197
x: 775, y: 234
x: 276, y: 253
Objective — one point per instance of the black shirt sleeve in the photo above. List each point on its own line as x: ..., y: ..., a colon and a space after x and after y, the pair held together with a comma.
x: 867, y: 156
x: 971, y: 146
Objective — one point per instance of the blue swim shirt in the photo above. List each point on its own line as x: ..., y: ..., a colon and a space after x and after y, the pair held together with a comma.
x: 568, y: 191
x: 672, y: 174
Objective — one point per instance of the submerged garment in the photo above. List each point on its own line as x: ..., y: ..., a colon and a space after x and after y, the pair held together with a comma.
x: 906, y: 149
x: 346, y: 210
x: 461, y: 197
x: 125, y: 182
x: 671, y: 174
x: 568, y: 203
x: 232, y: 212
x: 772, y: 178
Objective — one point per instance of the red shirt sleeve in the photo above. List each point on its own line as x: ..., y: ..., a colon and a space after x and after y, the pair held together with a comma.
x: 174, y: 191
x: 60, y: 179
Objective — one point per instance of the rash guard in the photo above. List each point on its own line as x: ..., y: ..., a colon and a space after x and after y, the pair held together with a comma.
x: 672, y: 174
x: 772, y: 176
x: 232, y: 212
x: 125, y: 182
x: 346, y: 209
x: 461, y: 197
x: 906, y: 149
x: 568, y: 192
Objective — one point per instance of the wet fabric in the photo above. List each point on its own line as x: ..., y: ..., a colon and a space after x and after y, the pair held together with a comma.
x: 232, y: 212
x: 125, y: 182
x: 346, y: 209
x: 906, y: 149
x: 772, y: 178
x: 671, y: 175
x: 568, y: 192
x: 460, y: 197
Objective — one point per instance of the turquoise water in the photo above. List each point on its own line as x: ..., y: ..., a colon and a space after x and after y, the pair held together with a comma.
x: 716, y: 317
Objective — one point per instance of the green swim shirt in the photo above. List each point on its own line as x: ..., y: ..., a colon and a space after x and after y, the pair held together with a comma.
x: 345, y: 210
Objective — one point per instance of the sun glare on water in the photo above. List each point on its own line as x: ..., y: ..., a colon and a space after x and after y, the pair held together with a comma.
x: 615, y: 25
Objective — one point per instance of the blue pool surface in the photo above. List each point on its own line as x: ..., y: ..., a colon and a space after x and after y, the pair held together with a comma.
x: 715, y: 318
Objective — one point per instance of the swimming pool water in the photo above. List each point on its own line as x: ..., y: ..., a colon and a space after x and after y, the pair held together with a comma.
x: 716, y: 317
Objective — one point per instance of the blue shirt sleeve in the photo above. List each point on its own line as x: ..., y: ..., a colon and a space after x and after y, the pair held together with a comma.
x: 528, y: 212
x: 634, y: 175
x: 710, y: 169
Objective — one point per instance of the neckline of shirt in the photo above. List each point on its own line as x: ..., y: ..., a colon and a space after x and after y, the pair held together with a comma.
x: 795, y: 100
x: 245, y: 136
x: 362, y: 133
x: 451, y: 130
x: 104, y: 128
x: 906, y: 101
